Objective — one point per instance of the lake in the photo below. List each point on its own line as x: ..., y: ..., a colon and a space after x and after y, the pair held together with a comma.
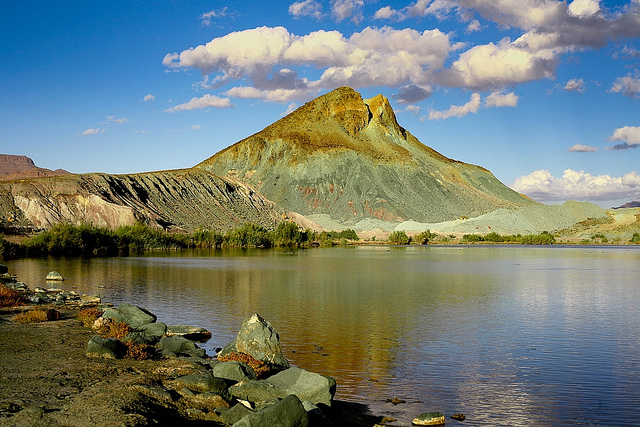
x: 507, y: 335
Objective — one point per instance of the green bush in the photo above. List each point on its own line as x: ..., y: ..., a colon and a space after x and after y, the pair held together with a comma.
x: 635, y: 238
x: 399, y: 238
x: 287, y: 234
x: 248, y: 235
x: 424, y: 237
x: 472, y: 238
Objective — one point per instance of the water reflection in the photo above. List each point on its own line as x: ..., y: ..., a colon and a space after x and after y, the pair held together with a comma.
x: 508, y: 335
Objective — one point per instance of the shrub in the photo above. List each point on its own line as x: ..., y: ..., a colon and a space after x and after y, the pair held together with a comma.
x: 260, y: 368
x: 37, y: 315
x: 399, y: 238
x: 248, y: 235
x: 204, y: 238
x: 88, y: 316
x: 635, y: 238
x: 10, y: 298
x: 116, y: 330
x: 424, y: 237
x: 287, y: 234
x: 472, y: 238
x: 139, y: 351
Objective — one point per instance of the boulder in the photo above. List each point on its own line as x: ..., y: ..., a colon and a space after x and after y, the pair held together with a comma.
x: 309, y: 386
x: 204, y: 383
x: 134, y: 316
x: 158, y: 329
x: 235, y: 414
x: 256, y: 392
x: 258, y: 339
x: 178, y: 346
x: 141, y: 338
x: 54, y: 276
x: 288, y: 412
x: 317, y: 418
x: 110, y: 348
x: 190, y: 332
x: 4, y: 269
x: 234, y: 371
x: 429, y: 419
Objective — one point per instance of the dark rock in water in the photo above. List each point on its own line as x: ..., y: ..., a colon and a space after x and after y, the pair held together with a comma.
x: 458, y: 417
x: 309, y: 386
x: 288, y: 412
x: 396, y: 401
x: 193, y: 333
x: 258, y: 338
x: 110, y: 348
x: 234, y: 371
x: 4, y: 269
x: 429, y: 419
x: 54, y: 276
x: 134, y: 316
x: 317, y: 418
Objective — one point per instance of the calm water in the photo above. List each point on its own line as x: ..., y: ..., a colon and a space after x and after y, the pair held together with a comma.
x: 506, y: 335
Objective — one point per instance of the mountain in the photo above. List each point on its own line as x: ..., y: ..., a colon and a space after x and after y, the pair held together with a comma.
x: 22, y: 167
x: 348, y: 158
x: 182, y: 199
x: 632, y: 204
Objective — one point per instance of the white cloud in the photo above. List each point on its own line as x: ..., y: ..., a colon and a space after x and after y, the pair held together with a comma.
x: 206, y: 101
x: 575, y: 85
x: 386, y: 12
x: 92, y: 131
x: 218, y: 13
x: 121, y: 121
x: 306, y: 8
x: 627, y: 85
x: 274, y: 95
x: 411, y: 94
x: 458, y: 110
x: 148, y: 98
x: 343, y: 9
x: 194, y: 127
x: 473, y: 26
x: 584, y: 8
x: 579, y: 148
x: 541, y: 185
x: 371, y: 57
x: 501, y: 99
x: 290, y: 109
x: 629, y: 137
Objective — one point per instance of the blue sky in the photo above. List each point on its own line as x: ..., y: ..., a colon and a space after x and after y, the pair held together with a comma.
x: 545, y: 94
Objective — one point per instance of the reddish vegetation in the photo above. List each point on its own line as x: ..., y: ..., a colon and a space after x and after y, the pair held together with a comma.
x: 9, y: 297
x: 88, y: 316
x: 260, y: 368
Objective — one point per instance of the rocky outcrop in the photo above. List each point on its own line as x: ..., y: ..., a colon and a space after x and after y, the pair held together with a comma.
x: 348, y: 157
x: 22, y: 167
x: 183, y: 199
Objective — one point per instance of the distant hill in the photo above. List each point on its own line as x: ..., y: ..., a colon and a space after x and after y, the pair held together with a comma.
x: 22, y: 167
x: 348, y: 158
x: 633, y: 204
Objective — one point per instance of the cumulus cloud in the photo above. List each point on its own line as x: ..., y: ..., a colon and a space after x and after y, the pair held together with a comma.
x: 473, y: 26
x: 344, y: 9
x: 386, y: 12
x: 584, y: 8
x: 579, y: 148
x: 91, y: 131
x: 205, y: 101
x: 628, y: 85
x: 290, y: 109
x: 629, y: 135
x: 306, y: 8
x: 501, y: 99
x: 575, y: 85
x: 541, y: 185
x: 411, y: 94
x: 148, y: 98
x: 458, y: 110
x: 371, y: 57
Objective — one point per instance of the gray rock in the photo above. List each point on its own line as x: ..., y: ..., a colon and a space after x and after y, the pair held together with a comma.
x: 177, y: 345
x: 105, y: 347
x: 306, y: 385
x: 256, y: 391
x: 234, y: 371
x: 190, y: 332
x: 259, y: 339
x: 289, y: 412
x: 204, y: 383
x: 134, y: 316
x: 141, y: 338
x: 158, y: 328
x: 54, y: 276
x: 235, y: 414
x: 429, y: 419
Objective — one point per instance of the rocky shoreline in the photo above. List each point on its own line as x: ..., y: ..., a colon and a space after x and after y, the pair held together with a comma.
x: 61, y: 373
